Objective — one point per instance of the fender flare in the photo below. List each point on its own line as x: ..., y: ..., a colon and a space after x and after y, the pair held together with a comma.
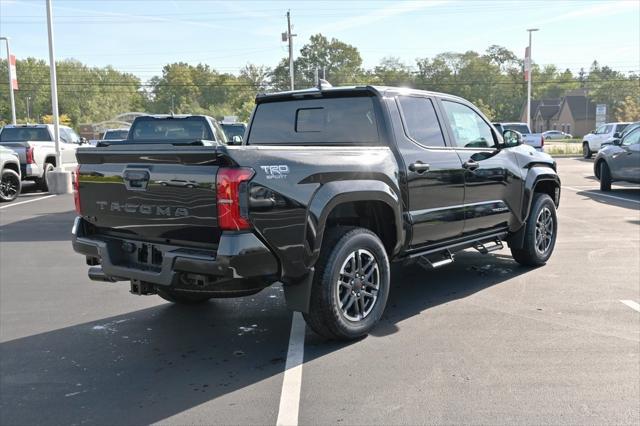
x: 534, y: 177
x: 331, y: 195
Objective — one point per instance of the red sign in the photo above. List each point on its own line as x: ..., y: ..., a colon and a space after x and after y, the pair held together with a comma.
x: 12, y: 72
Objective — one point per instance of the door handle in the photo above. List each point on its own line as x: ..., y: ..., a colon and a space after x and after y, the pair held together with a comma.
x: 471, y: 165
x: 418, y: 167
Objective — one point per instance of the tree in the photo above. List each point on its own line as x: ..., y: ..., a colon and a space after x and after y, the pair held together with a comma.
x: 628, y: 110
x: 392, y: 72
x: 341, y: 62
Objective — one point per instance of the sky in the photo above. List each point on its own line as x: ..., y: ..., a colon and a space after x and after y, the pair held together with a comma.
x: 140, y: 36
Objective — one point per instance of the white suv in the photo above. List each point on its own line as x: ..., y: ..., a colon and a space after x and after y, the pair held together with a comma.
x: 592, y: 141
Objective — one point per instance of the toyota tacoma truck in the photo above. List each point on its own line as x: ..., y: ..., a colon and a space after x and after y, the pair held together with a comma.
x: 329, y: 186
x: 34, y: 144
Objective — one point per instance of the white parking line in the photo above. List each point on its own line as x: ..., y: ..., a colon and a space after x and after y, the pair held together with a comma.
x: 292, y: 381
x: 27, y: 201
x: 599, y: 194
x: 633, y: 305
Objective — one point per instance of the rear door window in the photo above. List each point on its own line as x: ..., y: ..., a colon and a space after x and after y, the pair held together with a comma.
x: 332, y: 121
x: 420, y: 121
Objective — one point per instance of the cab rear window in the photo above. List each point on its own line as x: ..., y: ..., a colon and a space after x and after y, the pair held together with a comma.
x: 24, y: 134
x: 333, y: 121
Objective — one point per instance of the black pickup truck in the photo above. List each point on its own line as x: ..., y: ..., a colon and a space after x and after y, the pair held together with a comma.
x: 329, y: 186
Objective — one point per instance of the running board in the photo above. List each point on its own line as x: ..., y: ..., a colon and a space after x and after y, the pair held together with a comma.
x: 446, y: 257
x: 488, y: 248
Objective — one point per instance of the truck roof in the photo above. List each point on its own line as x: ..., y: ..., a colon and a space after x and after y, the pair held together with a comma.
x: 35, y: 126
x: 346, y: 90
x: 162, y: 116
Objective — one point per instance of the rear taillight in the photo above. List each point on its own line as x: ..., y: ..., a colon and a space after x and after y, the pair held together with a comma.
x: 76, y: 190
x: 233, y: 198
x: 29, y: 155
x: 541, y: 141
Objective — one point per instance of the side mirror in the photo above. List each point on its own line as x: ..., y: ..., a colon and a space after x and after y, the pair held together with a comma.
x: 511, y: 138
x: 617, y: 135
x: 83, y: 141
x: 236, y: 140
x: 617, y: 141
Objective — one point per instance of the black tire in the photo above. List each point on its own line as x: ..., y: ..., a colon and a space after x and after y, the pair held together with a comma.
x: 536, y: 239
x: 10, y: 185
x: 347, y: 249
x: 586, y: 151
x: 42, y: 182
x: 605, y: 177
x: 182, y: 297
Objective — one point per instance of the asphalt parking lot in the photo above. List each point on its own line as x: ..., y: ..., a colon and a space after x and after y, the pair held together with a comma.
x: 481, y: 341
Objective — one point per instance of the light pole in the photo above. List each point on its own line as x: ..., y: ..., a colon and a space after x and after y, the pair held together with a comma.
x: 529, y: 64
x: 54, y: 87
x: 11, y: 98
x: 58, y: 180
x: 28, y: 109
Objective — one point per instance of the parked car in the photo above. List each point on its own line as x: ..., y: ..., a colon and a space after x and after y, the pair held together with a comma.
x: 619, y: 161
x: 591, y: 142
x: 234, y: 132
x: 10, y: 182
x: 556, y: 134
x: 36, y: 149
x: 328, y: 188
x: 535, y: 140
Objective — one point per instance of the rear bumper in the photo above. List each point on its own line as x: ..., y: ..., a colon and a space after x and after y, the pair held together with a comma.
x: 241, y: 264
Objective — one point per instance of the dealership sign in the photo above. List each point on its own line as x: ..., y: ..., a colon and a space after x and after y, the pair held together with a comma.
x: 601, y: 114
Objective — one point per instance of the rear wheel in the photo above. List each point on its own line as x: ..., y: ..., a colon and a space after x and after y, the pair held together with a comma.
x: 605, y: 177
x: 42, y: 182
x: 540, y: 234
x: 350, y: 286
x: 10, y: 185
x: 586, y: 151
x: 182, y: 298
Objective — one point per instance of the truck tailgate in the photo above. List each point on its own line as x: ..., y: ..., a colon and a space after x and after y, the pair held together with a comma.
x: 152, y: 193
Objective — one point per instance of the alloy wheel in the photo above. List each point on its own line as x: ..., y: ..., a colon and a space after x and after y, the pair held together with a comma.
x: 544, y: 231
x: 358, y: 285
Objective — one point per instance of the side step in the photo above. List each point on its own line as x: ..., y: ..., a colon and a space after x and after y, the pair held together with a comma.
x: 436, y: 260
x: 488, y: 247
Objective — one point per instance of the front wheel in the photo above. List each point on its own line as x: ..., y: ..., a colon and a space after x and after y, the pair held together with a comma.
x: 605, y: 177
x: 10, y: 185
x: 350, y: 285
x: 540, y: 233
x: 586, y: 151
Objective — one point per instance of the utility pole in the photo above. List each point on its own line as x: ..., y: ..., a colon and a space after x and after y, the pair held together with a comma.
x: 11, y: 98
x: 289, y: 38
x: 529, y: 64
x: 28, y: 109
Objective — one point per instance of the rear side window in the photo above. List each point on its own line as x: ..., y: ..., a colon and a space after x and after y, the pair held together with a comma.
x: 420, y: 121
x: 22, y: 134
x: 315, y: 122
x: 621, y: 127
